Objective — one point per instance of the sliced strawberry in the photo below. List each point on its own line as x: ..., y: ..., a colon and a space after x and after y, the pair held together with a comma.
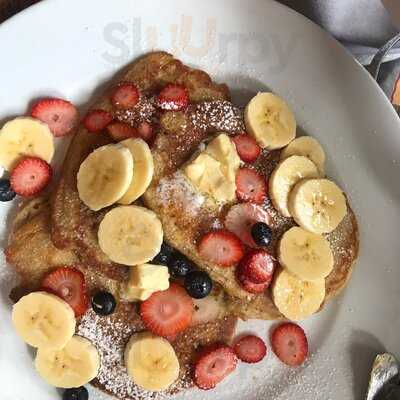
x: 250, y: 186
x: 250, y: 349
x: 121, y: 131
x: 97, y: 120
x: 247, y: 148
x: 289, y: 343
x: 214, y: 364
x: 221, y: 247
x: 146, y: 131
x: 240, y: 219
x: 168, y: 312
x: 248, y: 285
x: 171, y: 338
x: 173, y: 98
x: 30, y: 176
x: 60, y: 115
x: 258, y: 267
x: 69, y: 284
x: 125, y: 95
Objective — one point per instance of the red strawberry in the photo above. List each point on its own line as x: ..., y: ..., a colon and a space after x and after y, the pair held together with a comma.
x: 258, y: 267
x: 241, y: 218
x: 250, y: 186
x: 289, y: 343
x: 60, y: 115
x: 247, y: 148
x: 214, y: 364
x: 97, y: 120
x: 250, y: 349
x: 173, y: 98
x: 30, y: 176
x: 69, y: 284
x: 168, y: 312
x: 221, y: 247
x: 146, y: 131
x: 120, y: 131
x: 125, y: 95
x: 248, y: 285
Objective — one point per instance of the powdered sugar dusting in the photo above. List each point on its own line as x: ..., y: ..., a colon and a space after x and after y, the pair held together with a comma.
x: 143, y: 111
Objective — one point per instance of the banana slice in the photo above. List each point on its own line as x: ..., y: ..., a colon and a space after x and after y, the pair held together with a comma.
x: 23, y: 137
x: 130, y: 235
x: 308, y: 147
x: 73, y: 366
x: 43, y: 320
x: 105, y: 176
x: 143, y: 169
x: 317, y: 205
x: 151, y: 362
x: 297, y: 299
x: 305, y: 254
x: 285, y: 176
x: 269, y: 119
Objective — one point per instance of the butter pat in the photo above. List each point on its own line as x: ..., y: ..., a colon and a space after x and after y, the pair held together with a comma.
x: 144, y: 280
x: 213, y: 171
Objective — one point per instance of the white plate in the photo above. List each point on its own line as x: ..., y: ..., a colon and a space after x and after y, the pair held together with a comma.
x: 70, y: 48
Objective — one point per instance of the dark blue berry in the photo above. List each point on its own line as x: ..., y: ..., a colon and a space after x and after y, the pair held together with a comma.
x: 179, y: 266
x: 103, y: 303
x: 6, y: 193
x: 164, y: 256
x: 79, y: 393
x: 261, y: 233
x: 198, y: 284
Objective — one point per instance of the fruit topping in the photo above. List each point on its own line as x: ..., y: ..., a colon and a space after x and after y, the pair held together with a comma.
x: 198, y: 284
x: 258, y: 266
x: 69, y: 284
x: 261, y: 234
x: 250, y: 186
x: 179, y: 265
x: 221, y: 247
x: 30, y: 176
x: 214, y: 364
x: 248, y: 285
x: 173, y: 98
x: 97, y: 120
x: 60, y: 115
x: 146, y: 131
x: 121, y: 130
x: 164, y: 256
x: 247, y: 148
x: 250, y: 349
x: 6, y: 192
x: 168, y: 312
x: 289, y: 343
x: 125, y: 95
x: 79, y: 393
x: 103, y: 303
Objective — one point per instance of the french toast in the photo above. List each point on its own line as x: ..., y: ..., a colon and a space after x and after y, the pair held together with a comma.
x: 32, y: 254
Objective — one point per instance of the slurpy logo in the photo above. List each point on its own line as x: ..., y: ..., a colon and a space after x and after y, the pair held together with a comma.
x: 125, y: 40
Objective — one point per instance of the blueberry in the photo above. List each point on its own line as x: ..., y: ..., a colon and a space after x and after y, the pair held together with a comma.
x: 79, y: 393
x: 179, y: 266
x: 6, y: 193
x: 198, y: 284
x: 261, y: 233
x: 164, y: 256
x: 103, y: 303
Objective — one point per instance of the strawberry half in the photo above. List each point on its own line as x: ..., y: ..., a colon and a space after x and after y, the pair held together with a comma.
x: 250, y: 186
x: 289, y: 343
x: 250, y: 349
x: 258, y: 267
x: 241, y: 218
x: 146, y: 131
x: 97, y: 120
x: 173, y: 98
x: 121, y: 131
x: 221, y: 247
x: 30, y: 176
x: 69, y: 284
x: 215, y: 363
x: 248, y: 285
x: 247, y: 147
x: 125, y: 95
x: 167, y: 312
x: 60, y: 115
